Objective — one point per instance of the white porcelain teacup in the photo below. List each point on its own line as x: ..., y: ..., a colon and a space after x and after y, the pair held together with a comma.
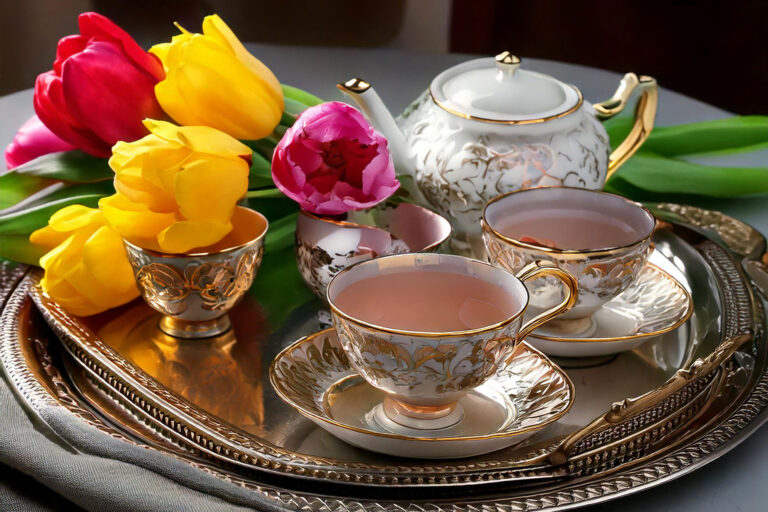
x: 327, y: 245
x: 602, y: 239
x: 427, y: 328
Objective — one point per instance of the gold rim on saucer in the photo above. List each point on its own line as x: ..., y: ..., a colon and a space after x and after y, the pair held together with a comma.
x: 303, y: 372
x: 657, y: 294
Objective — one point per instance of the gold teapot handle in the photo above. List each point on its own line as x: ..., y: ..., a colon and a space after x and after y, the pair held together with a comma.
x: 645, y: 114
x: 543, y: 269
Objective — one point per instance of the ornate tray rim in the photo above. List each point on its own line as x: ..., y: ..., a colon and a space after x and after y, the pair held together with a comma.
x: 752, y: 414
x: 192, y: 426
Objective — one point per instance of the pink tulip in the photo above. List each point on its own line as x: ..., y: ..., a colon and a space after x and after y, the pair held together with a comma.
x: 332, y: 161
x: 31, y: 141
x: 100, y: 89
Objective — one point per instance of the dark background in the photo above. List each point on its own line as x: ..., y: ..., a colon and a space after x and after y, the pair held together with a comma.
x: 715, y: 51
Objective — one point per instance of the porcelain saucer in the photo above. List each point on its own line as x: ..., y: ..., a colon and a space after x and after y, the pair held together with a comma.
x: 314, y: 376
x: 655, y: 304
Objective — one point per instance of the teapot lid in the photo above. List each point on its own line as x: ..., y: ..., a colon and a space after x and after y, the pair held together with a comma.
x: 497, y: 90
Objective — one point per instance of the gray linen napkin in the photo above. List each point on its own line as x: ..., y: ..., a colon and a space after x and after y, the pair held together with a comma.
x: 98, y: 472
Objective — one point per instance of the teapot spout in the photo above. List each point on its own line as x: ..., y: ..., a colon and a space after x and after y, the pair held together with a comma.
x: 374, y: 109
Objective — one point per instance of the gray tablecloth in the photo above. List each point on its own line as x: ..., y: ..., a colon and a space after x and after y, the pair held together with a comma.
x: 53, y: 462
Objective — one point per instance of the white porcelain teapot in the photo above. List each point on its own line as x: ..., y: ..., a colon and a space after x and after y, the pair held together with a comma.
x: 486, y: 127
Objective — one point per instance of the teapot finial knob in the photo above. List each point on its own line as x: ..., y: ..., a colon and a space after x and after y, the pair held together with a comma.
x: 507, y: 62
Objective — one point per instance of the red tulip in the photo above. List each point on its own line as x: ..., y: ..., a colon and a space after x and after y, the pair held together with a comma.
x: 100, y: 89
x: 33, y: 140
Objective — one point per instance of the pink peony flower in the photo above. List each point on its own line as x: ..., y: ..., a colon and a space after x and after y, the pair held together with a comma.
x: 31, y: 141
x: 332, y: 161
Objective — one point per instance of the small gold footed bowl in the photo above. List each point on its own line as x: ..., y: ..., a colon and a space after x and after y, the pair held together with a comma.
x: 194, y: 291
x: 327, y: 245
x: 425, y: 374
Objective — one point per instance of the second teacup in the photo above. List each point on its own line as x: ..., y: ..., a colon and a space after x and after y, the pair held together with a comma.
x: 327, y: 245
x: 428, y: 328
x: 602, y: 239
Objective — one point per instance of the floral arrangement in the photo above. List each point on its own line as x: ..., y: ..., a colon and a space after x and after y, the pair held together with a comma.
x: 158, y: 147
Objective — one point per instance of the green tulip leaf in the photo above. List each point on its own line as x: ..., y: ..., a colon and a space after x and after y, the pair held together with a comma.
x: 273, y: 208
x: 265, y: 193
x: 292, y: 108
x: 260, y: 174
x: 657, y: 174
x: 734, y: 134
x: 287, y: 119
x: 299, y: 95
x: 61, y: 190
x: 40, y: 173
x: 262, y: 147
x: 16, y: 187
x: 281, y: 233
x: 24, y: 222
x: 279, y: 287
x: 75, y: 166
x: 19, y: 248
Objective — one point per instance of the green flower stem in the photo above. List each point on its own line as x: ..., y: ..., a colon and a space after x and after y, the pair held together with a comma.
x: 264, y: 193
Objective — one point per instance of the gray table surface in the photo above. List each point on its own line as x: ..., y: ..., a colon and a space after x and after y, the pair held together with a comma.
x: 733, y: 482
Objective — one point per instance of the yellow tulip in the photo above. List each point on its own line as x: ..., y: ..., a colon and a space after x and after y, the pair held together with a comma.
x: 86, y: 267
x: 177, y: 188
x: 212, y: 80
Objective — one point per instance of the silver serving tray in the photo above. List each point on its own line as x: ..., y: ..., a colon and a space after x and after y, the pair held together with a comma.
x: 711, y: 374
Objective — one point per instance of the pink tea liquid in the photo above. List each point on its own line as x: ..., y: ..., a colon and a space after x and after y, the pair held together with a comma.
x: 568, y: 229
x: 427, y: 301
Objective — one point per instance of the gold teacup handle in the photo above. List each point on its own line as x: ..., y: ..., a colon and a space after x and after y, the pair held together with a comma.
x: 543, y: 269
x: 645, y: 115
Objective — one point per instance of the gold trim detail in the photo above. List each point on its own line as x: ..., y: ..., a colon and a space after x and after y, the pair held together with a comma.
x: 638, y: 432
x: 354, y: 85
x: 645, y: 115
x: 543, y: 269
x: 250, y: 241
x: 355, y: 225
x: 464, y: 115
x: 37, y: 380
x: 507, y: 58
